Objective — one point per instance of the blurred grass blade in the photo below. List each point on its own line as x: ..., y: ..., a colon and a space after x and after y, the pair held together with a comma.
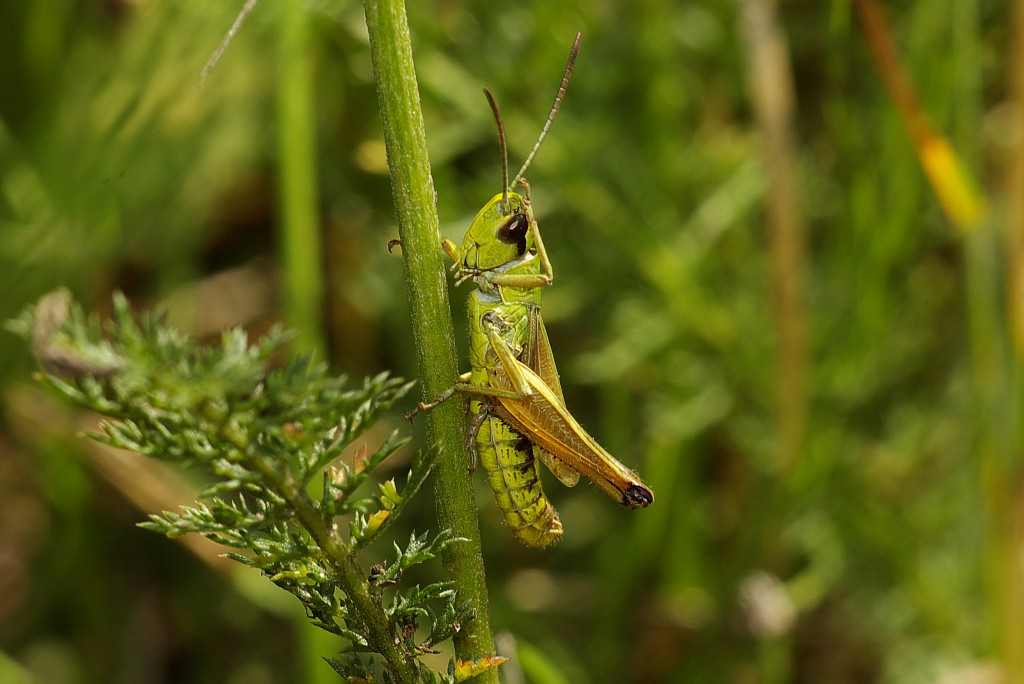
x: 299, y: 188
x: 538, y: 666
x: 771, y: 90
x: 770, y: 84
x: 956, y: 191
x: 958, y: 194
x: 1012, y: 560
x: 1014, y: 192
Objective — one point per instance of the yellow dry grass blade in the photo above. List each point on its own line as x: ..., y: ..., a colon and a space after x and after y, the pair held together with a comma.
x: 955, y: 189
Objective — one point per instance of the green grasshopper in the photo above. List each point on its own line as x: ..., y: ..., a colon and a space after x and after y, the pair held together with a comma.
x: 517, y: 408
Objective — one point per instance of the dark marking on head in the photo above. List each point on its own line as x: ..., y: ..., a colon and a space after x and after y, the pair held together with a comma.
x: 514, y: 231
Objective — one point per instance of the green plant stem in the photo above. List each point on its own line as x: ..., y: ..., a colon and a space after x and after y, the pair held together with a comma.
x: 366, y: 613
x: 413, y: 189
x: 299, y: 226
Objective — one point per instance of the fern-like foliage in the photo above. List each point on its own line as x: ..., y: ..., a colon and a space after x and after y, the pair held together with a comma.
x: 269, y: 431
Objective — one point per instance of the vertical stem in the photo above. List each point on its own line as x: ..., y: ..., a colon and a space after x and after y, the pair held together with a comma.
x: 413, y: 190
x: 300, y: 235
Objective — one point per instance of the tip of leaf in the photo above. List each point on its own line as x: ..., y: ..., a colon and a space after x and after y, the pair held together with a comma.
x: 467, y: 669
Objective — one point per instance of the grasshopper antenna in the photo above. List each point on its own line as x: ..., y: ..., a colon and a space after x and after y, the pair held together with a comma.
x: 554, y: 108
x: 504, y: 150
x: 215, y: 57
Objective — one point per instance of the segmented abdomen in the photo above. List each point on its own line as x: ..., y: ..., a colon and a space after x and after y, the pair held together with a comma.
x: 514, y: 475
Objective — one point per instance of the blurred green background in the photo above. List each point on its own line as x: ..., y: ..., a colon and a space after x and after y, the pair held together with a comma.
x: 872, y: 551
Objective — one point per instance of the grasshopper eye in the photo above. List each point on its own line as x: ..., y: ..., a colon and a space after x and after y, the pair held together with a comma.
x: 513, y: 232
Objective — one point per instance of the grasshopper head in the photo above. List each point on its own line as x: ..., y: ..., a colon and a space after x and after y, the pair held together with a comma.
x: 499, y: 234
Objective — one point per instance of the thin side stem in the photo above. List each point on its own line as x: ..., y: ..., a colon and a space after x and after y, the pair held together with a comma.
x: 366, y: 613
x: 413, y: 189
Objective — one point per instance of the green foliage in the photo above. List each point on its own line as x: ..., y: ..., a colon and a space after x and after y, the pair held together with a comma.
x: 266, y: 429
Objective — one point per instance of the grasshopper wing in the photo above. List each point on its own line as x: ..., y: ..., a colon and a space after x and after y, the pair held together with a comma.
x: 538, y: 356
x: 543, y: 419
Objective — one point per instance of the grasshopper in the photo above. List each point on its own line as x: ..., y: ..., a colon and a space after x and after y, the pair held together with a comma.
x: 517, y: 408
